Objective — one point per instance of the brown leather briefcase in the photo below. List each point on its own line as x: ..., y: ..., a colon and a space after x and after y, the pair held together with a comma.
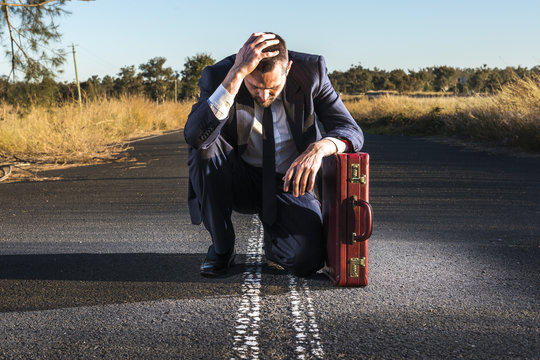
x: 347, y: 217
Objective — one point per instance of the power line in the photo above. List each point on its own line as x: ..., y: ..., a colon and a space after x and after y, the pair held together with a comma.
x: 98, y: 58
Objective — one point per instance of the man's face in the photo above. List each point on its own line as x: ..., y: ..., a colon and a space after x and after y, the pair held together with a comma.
x: 265, y: 88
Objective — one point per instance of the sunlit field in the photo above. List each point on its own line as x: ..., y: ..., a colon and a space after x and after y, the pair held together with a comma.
x: 510, y: 117
x: 69, y: 133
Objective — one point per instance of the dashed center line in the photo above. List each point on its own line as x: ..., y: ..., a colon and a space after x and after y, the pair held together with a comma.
x: 308, y: 339
x: 246, y: 338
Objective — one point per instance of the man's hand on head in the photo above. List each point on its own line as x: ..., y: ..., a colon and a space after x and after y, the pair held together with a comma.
x: 248, y: 58
x: 249, y: 55
x: 300, y: 177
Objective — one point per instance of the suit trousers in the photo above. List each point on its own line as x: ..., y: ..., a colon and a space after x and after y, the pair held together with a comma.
x: 223, y: 182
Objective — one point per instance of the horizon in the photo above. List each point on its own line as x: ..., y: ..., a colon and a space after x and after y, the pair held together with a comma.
x: 407, y: 71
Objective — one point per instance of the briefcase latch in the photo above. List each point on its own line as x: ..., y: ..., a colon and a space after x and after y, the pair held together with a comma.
x: 355, y: 175
x: 354, y: 266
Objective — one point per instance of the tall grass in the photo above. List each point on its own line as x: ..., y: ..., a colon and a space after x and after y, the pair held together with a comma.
x: 510, y: 117
x: 69, y: 133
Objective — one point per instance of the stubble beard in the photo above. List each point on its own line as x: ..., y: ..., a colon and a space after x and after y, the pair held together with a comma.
x: 266, y: 103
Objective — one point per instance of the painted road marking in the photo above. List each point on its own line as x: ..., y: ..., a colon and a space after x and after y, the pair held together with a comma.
x: 248, y: 318
x: 246, y: 338
x: 308, y: 339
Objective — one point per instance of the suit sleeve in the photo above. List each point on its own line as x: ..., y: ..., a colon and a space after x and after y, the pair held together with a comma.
x: 202, y: 126
x: 333, y: 114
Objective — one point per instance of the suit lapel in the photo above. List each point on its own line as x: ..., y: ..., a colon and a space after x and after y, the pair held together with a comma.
x: 294, y: 108
x: 245, y: 112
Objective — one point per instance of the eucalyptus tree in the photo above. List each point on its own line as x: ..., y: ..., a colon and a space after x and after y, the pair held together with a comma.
x: 193, y: 68
x: 30, y: 29
x: 157, y: 78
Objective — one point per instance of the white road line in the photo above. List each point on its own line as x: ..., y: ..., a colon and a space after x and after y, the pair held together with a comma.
x: 248, y: 318
x: 299, y: 324
x: 313, y: 328
x: 246, y: 343
x: 308, y: 339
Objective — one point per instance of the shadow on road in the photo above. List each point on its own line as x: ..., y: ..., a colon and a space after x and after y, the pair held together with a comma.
x: 52, y: 281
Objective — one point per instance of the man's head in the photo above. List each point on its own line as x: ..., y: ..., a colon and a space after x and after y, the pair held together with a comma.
x: 268, y: 79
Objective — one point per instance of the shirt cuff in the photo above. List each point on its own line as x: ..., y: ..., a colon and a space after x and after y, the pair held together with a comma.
x: 341, y: 146
x: 220, y: 102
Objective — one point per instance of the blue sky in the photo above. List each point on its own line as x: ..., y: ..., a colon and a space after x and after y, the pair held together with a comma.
x: 110, y: 34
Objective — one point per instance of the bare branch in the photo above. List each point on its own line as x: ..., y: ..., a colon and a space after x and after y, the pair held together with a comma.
x: 27, y: 5
x: 29, y: 33
x: 6, y: 10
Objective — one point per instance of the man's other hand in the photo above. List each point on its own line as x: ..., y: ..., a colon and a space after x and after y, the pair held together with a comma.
x: 300, y: 177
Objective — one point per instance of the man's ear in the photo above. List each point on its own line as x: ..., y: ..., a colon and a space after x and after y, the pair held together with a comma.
x: 289, y: 66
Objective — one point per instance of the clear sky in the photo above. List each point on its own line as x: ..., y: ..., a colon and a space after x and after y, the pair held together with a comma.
x: 391, y: 34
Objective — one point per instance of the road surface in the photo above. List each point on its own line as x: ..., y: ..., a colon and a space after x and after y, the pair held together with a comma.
x: 104, y: 264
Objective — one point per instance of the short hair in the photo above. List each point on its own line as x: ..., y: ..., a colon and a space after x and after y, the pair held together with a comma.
x: 268, y: 64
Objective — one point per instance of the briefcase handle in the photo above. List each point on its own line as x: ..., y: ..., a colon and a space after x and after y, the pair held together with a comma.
x: 368, y: 219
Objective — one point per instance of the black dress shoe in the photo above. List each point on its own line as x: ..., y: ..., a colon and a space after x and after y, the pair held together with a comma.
x: 216, y: 265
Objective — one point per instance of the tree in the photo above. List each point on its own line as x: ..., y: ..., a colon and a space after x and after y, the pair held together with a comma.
x: 192, y: 72
x: 92, y: 87
x: 380, y: 80
x: 358, y: 80
x: 398, y: 77
x: 157, y: 78
x: 424, y: 79
x: 31, y: 28
x: 416, y: 80
x: 128, y: 82
x: 107, y: 86
x: 478, y: 80
x: 445, y: 78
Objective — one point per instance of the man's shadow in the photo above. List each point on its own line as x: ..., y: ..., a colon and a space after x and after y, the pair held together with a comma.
x: 51, y: 281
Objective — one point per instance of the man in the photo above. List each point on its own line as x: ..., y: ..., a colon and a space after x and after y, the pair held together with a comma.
x: 255, y: 146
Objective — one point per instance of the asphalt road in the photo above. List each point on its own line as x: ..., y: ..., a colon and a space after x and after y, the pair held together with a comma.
x: 104, y: 264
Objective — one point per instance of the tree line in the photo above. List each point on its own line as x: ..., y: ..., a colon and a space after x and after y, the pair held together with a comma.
x: 446, y: 79
x: 152, y: 79
x: 159, y: 82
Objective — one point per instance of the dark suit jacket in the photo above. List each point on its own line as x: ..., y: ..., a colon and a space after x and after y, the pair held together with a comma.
x: 308, y: 98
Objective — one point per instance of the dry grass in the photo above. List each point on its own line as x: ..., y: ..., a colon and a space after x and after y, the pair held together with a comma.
x: 378, y: 93
x: 69, y: 134
x: 510, y: 117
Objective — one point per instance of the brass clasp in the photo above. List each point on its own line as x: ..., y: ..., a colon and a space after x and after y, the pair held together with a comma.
x: 354, y: 266
x: 355, y: 175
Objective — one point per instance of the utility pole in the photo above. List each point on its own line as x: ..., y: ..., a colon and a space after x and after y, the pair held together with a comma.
x: 175, y: 90
x: 77, y: 75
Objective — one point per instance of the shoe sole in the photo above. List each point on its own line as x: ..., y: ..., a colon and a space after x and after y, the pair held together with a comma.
x: 274, y: 265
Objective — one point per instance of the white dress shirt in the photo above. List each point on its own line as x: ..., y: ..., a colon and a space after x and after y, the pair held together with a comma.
x: 221, y: 101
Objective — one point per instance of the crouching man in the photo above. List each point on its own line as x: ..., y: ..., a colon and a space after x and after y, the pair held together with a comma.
x: 255, y: 146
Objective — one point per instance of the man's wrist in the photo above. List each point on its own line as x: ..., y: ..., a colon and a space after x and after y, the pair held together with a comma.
x: 239, y: 72
x: 340, y: 146
x: 233, y: 81
x: 325, y: 147
x: 221, y: 102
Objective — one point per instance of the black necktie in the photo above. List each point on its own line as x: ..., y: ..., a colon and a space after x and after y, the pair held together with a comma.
x: 269, y: 169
